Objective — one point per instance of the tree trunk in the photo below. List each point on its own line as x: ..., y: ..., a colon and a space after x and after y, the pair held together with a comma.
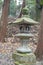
x: 39, y: 50
x: 23, y: 5
x: 4, y: 20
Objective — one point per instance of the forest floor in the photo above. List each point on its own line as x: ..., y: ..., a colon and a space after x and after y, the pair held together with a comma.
x: 6, y: 50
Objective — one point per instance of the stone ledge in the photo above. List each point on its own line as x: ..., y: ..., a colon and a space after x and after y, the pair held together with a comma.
x: 24, y: 58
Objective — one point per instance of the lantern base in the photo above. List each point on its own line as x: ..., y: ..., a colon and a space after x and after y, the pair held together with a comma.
x: 24, y: 58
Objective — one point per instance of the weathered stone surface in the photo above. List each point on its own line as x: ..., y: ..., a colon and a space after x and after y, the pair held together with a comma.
x: 6, y: 56
x: 17, y: 63
x: 25, y: 59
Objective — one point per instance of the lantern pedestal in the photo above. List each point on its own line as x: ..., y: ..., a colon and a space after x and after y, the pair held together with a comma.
x: 24, y: 58
x: 24, y: 55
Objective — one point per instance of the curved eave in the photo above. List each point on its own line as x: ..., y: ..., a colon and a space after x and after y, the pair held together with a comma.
x: 24, y: 20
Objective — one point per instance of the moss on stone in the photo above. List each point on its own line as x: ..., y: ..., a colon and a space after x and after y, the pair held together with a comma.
x: 24, y: 58
x: 25, y: 20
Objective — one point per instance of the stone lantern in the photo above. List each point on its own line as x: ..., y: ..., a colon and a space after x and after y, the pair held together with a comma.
x: 24, y: 55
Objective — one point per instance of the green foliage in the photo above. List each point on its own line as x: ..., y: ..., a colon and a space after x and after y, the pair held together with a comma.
x: 34, y: 12
x: 25, y: 11
x: 12, y: 8
x: 0, y: 1
x: 0, y: 4
x: 30, y: 9
x: 41, y: 2
x: 31, y: 4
